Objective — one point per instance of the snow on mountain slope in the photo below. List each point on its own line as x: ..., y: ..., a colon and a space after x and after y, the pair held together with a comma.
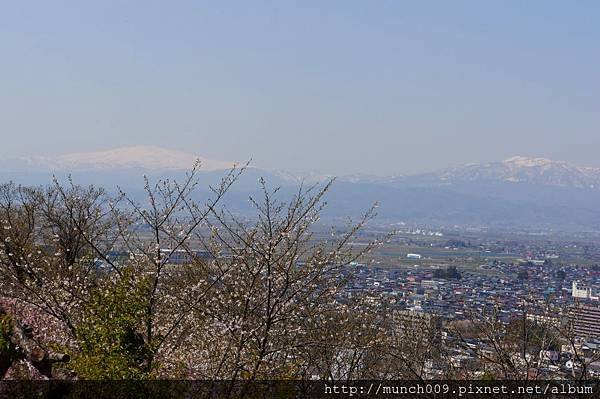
x: 142, y: 157
x: 518, y: 169
x: 527, y: 170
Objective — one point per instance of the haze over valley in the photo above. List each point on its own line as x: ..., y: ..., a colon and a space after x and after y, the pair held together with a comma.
x: 519, y: 192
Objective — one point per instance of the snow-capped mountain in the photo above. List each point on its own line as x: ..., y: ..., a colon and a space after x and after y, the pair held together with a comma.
x: 140, y: 157
x: 538, y: 171
x: 518, y: 169
x: 519, y: 191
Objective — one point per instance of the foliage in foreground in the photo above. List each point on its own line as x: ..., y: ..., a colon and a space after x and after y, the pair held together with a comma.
x: 97, y: 278
x: 249, y: 301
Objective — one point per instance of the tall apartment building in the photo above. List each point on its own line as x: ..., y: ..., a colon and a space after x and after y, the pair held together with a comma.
x: 585, y: 321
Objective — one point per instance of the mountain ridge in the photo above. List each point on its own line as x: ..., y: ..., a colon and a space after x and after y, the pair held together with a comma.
x: 143, y: 157
x: 519, y: 169
x: 519, y: 192
x: 516, y: 169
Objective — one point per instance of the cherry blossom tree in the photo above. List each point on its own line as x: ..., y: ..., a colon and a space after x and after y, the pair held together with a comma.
x: 183, y: 288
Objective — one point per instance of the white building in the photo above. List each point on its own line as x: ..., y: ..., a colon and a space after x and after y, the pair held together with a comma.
x: 582, y: 291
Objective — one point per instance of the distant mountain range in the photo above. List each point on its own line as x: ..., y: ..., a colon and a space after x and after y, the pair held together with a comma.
x: 520, y: 192
x: 527, y: 170
x: 148, y: 158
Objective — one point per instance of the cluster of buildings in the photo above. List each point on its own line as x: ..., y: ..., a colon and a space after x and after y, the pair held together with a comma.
x: 564, y: 299
x: 533, y: 291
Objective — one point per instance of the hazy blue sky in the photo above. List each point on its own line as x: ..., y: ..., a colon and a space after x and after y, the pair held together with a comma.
x: 334, y: 86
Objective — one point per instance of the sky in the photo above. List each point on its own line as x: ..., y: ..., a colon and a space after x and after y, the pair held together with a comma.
x: 341, y: 87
